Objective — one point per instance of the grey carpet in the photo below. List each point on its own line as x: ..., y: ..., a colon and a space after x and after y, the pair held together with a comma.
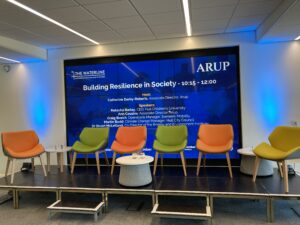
x: 33, y: 211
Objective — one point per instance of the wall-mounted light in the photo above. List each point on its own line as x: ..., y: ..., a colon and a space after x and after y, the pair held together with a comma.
x: 51, y: 20
x: 187, y: 17
x: 9, y: 60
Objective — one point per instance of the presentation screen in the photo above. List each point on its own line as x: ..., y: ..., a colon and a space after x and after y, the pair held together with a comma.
x: 185, y: 87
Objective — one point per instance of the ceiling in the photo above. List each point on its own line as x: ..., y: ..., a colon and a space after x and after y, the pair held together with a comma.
x: 112, y: 21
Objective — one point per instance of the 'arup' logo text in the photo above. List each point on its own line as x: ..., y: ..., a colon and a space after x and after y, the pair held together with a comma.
x: 213, y: 66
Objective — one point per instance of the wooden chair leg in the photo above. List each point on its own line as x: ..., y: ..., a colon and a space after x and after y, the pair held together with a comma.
x: 229, y: 164
x: 32, y: 164
x: 280, y: 169
x: 7, y: 166
x: 48, y: 161
x: 255, y: 168
x: 204, y: 160
x: 113, y: 163
x: 183, y: 162
x: 105, y: 157
x: 43, y: 166
x: 199, y: 163
x: 97, y: 162
x: 155, y: 163
x: 86, y: 157
x: 73, y: 162
x: 161, y: 159
x: 285, y: 176
x: 12, y: 170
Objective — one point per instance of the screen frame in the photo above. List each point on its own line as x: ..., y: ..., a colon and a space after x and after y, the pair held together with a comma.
x: 157, y: 56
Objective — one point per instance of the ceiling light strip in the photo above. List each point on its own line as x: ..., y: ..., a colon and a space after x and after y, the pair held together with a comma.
x: 11, y: 60
x: 187, y: 17
x: 51, y: 20
x: 297, y: 38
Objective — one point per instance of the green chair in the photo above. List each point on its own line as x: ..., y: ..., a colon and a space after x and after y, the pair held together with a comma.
x: 91, y: 140
x: 170, y: 140
x: 284, y: 145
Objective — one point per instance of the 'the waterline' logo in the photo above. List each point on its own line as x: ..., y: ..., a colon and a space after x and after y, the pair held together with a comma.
x: 213, y: 66
x: 90, y: 74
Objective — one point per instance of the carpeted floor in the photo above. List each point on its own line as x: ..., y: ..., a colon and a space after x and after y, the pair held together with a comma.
x: 33, y: 211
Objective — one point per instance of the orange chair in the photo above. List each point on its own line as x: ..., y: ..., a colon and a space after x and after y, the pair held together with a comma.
x: 21, y: 145
x: 214, y: 139
x: 128, y: 140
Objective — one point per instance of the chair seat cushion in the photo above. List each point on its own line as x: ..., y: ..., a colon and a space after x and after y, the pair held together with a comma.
x: 35, y: 151
x: 121, y: 148
x: 203, y: 147
x: 169, y: 148
x: 266, y: 151
x: 83, y: 148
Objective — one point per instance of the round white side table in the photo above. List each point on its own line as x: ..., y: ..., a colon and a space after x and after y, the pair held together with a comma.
x: 135, y: 170
x: 247, y: 163
x: 60, y: 150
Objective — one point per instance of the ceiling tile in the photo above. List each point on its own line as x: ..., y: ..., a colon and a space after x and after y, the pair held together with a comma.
x: 112, y: 9
x: 21, y: 35
x: 196, y: 4
x: 125, y: 22
x: 70, y: 14
x: 46, y: 4
x: 70, y: 38
x: 256, y: 8
x: 88, y: 26
x: 6, y: 7
x: 171, y: 35
x: 245, y: 23
x: 86, y: 2
x: 213, y: 13
x: 291, y: 17
x: 105, y: 37
x: 156, y: 6
x: 169, y: 29
x: 22, y: 19
x: 208, y: 25
x: 50, y: 31
x: 5, y: 26
x: 164, y: 18
x: 136, y: 33
x: 209, y: 31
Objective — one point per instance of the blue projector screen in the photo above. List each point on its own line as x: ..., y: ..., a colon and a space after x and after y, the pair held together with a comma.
x: 185, y: 87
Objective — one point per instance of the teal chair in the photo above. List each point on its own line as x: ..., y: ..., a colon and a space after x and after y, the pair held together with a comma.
x: 170, y: 140
x: 91, y: 140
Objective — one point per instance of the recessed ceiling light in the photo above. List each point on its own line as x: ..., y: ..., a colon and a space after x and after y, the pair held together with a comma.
x: 297, y: 38
x: 187, y: 17
x: 50, y: 20
x: 10, y: 60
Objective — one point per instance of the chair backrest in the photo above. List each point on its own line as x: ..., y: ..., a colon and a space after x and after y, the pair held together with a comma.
x: 130, y: 136
x: 215, y: 134
x: 19, y: 141
x: 285, y: 138
x: 171, y: 135
x: 94, y: 136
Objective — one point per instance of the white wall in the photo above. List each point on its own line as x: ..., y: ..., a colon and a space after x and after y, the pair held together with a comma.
x: 270, y: 83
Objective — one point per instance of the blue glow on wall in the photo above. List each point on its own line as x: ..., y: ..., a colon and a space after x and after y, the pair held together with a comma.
x: 270, y: 99
x: 271, y: 111
x: 38, y: 101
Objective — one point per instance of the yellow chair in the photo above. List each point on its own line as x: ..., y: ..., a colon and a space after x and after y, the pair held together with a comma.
x: 284, y: 145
